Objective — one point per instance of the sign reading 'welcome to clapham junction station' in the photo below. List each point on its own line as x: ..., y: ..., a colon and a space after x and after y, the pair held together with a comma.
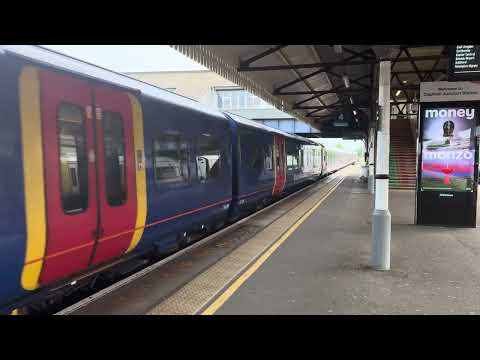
x: 441, y: 91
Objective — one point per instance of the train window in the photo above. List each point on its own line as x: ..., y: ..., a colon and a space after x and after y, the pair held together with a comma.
x: 210, y: 161
x: 268, y: 157
x: 252, y: 157
x: 292, y: 159
x: 73, y: 158
x: 170, y: 159
x: 115, y: 162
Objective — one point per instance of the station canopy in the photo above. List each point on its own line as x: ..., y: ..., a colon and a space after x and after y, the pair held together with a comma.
x: 333, y: 88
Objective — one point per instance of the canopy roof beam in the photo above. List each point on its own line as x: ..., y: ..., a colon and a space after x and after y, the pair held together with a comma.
x: 339, y: 87
x: 337, y: 63
x: 303, y: 78
x: 324, y: 92
x: 263, y: 54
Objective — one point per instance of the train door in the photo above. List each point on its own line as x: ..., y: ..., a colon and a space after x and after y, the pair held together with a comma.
x: 324, y: 162
x: 116, y: 173
x: 280, y: 169
x: 70, y: 180
x: 90, y: 190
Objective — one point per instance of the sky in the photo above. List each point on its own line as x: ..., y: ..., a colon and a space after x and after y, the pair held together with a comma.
x: 137, y: 58
x: 130, y: 58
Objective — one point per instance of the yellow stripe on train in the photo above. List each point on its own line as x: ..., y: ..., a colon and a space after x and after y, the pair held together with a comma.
x: 32, y: 153
x: 137, y: 118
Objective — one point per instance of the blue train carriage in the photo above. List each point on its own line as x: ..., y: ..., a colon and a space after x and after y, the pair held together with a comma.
x: 253, y: 165
x: 101, y: 168
x: 300, y: 171
x: 263, y: 171
x: 338, y: 159
x: 189, y: 172
x: 313, y: 160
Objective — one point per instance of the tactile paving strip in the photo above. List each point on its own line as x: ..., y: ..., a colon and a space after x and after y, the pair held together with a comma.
x: 201, y: 291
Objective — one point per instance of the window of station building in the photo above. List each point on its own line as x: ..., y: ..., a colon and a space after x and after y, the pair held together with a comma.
x: 73, y: 158
x: 252, y: 101
x: 115, y: 161
x: 210, y: 158
x: 170, y: 160
x: 228, y: 99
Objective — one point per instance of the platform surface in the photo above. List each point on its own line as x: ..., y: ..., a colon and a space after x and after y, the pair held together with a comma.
x: 323, y: 267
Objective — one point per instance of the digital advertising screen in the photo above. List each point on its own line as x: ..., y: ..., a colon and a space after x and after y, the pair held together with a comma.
x: 448, y: 149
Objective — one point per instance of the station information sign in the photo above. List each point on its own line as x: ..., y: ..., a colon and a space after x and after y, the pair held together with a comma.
x: 464, y: 62
x: 448, y: 149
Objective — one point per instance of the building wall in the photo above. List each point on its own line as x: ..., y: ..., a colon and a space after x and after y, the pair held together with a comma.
x: 196, y: 85
x: 205, y: 86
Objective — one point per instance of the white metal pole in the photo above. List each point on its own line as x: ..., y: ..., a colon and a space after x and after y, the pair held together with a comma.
x: 371, y: 159
x: 381, y: 218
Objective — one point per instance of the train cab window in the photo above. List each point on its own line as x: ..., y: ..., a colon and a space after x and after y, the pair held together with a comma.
x: 73, y: 158
x: 115, y: 162
x: 170, y: 159
x: 210, y: 160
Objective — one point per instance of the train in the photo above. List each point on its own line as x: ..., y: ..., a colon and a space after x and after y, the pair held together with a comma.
x: 100, y: 169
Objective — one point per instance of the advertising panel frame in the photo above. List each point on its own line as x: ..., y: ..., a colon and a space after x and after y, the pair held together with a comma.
x: 446, y: 207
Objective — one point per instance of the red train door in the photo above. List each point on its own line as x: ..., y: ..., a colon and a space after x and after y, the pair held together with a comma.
x: 89, y: 174
x: 70, y: 180
x: 116, y: 173
x: 280, y: 170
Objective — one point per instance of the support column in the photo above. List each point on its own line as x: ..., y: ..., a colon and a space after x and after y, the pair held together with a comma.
x: 381, y: 218
x: 371, y: 159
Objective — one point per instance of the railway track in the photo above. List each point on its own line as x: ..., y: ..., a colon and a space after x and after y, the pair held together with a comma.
x: 158, y: 281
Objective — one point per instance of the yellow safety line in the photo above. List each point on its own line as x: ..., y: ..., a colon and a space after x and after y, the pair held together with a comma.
x: 212, y: 308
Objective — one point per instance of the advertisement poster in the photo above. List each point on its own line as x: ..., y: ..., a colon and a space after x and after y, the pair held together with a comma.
x: 448, y: 149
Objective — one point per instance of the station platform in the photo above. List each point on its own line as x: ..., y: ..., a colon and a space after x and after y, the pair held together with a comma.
x: 323, y: 267
x: 310, y: 254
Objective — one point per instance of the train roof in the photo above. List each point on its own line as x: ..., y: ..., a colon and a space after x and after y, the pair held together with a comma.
x: 245, y: 121
x: 41, y: 55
